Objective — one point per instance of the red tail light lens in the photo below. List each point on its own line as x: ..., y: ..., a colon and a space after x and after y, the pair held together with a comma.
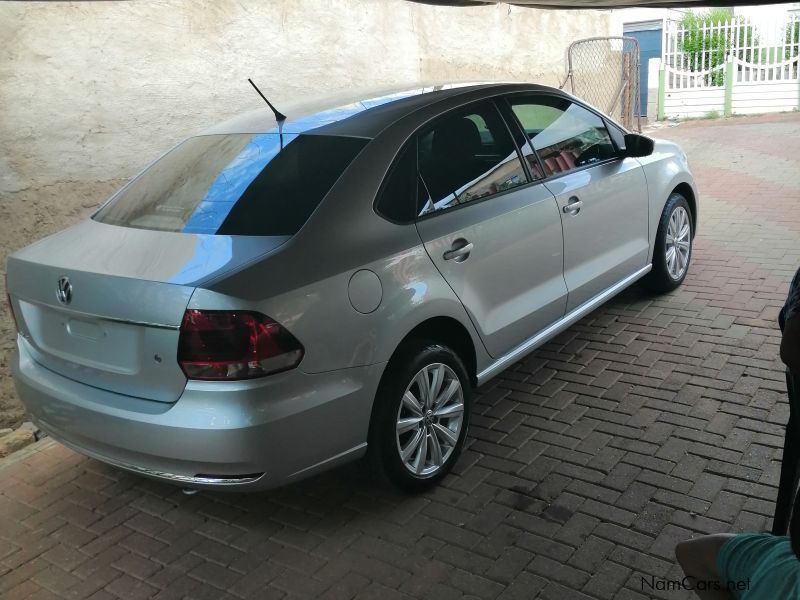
x: 224, y: 345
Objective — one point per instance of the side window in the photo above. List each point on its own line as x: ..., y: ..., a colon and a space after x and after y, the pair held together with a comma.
x: 400, y: 195
x: 565, y: 135
x: 467, y: 155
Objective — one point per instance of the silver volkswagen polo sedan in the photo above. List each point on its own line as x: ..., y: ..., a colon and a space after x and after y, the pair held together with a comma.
x: 263, y: 303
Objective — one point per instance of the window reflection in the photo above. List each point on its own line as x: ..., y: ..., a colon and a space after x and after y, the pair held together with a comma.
x: 467, y: 157
x: 565, y: 135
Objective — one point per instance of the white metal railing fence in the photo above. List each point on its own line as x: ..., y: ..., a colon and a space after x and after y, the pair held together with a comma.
x: 679, y: 79
x: 695, y: 56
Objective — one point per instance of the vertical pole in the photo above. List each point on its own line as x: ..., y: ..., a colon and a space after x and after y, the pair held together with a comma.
x: 794, y: 48
x: 703, y: 37
x: 729, y: 66
x: 721, y: 34
x: 627, y: 114
x: 794, y: 51
x: 782, y: 56
x: 679, y: 44
x: 737, y: 37
x: 662, y: 84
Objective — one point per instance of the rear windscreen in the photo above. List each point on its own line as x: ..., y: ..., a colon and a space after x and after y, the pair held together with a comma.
x: 234, y: 184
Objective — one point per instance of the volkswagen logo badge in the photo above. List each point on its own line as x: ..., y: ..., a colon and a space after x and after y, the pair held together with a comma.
x: 64, y: 291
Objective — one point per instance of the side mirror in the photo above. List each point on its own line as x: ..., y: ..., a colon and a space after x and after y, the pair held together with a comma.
x: 638, y: 145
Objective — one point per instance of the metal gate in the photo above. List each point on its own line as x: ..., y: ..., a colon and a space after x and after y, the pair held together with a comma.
x: 604, y: 71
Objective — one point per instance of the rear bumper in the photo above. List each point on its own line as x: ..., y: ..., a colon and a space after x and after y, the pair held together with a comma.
x: 246, y: 435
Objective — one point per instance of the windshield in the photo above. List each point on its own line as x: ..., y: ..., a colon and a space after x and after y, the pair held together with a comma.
x: 234, y: 184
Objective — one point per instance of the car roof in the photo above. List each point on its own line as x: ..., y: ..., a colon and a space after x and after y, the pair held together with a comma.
x: 365, y: 117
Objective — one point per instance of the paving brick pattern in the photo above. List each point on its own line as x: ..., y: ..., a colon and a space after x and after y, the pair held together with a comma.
x: 652, y: 420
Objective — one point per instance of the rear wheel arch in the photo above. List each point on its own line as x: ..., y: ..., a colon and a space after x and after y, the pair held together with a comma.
x: 448, y: 332
x: 446, y: 343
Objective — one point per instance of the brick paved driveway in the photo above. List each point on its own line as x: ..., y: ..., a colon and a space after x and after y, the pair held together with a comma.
x: 651, y: 420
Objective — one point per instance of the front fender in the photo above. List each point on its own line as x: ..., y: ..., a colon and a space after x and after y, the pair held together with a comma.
x: 666, y: 170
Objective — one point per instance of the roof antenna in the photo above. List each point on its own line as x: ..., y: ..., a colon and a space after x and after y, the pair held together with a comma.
x: 279, y: 116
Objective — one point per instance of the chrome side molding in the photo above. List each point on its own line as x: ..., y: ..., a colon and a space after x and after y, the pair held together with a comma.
x: 557, y: 327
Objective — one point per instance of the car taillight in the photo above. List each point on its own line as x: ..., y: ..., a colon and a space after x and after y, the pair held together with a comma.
x: 231, y: 344
x: 11, y: 306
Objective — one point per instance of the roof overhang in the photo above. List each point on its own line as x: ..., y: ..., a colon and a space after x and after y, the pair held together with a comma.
x: 599, y: 4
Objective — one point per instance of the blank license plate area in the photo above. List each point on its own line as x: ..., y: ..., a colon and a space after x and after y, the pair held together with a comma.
x: 88, y: 341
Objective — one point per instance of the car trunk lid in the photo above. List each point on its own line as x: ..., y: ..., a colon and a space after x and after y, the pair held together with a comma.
x: 103, y: 304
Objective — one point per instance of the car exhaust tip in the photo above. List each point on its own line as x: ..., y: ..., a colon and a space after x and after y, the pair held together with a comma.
x: 189, y: 491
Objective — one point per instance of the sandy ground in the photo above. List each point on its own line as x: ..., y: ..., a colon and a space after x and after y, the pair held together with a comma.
x: 26, y: 216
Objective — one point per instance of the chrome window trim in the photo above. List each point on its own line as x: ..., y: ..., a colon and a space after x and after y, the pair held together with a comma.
x: 477, y: 201
x: 606, y: 123
x: 492, y: 102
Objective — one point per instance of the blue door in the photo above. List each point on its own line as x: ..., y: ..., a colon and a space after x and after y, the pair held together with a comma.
x: 649, y: 36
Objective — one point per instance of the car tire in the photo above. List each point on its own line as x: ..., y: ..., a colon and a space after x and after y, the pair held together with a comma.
x: 672, y: 253
x: 416, y: 435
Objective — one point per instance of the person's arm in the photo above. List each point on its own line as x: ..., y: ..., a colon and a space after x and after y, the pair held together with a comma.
x: 698, y: 559
x: 790, y: 343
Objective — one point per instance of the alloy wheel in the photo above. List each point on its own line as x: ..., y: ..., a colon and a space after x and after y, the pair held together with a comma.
x: 429, y: 419
x: 678, y: 243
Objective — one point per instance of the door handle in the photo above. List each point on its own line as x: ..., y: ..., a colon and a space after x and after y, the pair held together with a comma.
x: 460, y: 251
x: 573, y: 206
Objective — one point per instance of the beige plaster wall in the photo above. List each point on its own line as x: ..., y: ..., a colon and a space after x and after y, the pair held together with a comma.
x: 92, y: 91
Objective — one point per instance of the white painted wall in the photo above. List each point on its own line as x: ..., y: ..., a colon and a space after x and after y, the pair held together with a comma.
x: 694, y: 103
x: 747, y: 97
x: 95, y: 90
x: 765, y: 96
x: 653, y: 68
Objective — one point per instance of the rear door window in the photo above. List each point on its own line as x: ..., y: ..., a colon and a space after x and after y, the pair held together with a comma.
x: 467, y: 155
x: 565, y: 135
x: 234, y: 184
